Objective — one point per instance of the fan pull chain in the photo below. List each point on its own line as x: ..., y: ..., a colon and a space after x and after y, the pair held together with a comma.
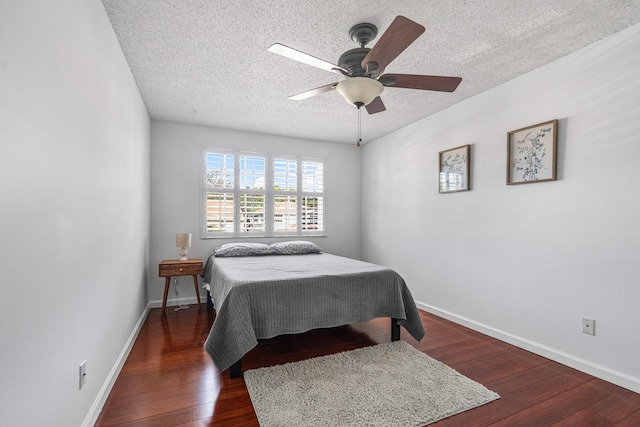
x: 359, y: 128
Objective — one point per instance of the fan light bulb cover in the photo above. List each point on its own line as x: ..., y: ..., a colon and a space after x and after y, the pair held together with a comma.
x: 360, y: 89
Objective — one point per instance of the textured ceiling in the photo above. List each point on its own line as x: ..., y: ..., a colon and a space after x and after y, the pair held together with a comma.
x: 206, y: 61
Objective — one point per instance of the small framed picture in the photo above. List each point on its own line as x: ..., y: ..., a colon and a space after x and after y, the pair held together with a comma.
x: 532, y: 153
x: 454, y: 169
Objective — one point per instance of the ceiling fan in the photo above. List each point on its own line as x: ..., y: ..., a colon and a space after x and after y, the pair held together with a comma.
x: 364, y: 67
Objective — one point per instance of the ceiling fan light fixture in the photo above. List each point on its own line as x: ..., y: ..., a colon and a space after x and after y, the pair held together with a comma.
x: 361, y: 90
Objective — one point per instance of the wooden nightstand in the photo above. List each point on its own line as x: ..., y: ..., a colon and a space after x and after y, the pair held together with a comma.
x: 171, y: 268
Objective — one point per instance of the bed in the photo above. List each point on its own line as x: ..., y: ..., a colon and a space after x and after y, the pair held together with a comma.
x: 293, y: 287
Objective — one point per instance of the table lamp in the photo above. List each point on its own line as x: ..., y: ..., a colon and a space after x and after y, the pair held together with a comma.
x: 183, y: 241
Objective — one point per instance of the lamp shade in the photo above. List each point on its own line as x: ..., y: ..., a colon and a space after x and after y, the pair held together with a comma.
x: 183, y: 240
x: 360, y: 90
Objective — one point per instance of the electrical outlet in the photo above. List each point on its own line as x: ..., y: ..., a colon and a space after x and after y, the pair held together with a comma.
x: 588, y: 326
x: 83, y: 373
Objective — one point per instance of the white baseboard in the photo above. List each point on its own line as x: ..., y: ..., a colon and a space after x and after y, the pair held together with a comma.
x: 619, y: 378
x: 171, y: 302
x: 101, y: 399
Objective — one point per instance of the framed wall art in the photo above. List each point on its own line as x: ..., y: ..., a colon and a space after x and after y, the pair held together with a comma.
x: 454, y: 169
x: 532, y: 153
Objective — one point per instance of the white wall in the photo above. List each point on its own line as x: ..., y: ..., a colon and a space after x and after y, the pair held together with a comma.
x: 74, y: 225
x: 525, y: 263
x: 175, y: 192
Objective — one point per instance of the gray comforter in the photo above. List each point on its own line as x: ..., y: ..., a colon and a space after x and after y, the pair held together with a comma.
x: 264, y: 296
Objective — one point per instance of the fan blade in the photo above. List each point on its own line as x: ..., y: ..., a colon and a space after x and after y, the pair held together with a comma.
x: 375, y: 106
x: 313, y: 92
x: 417, y: 81
x: 305, y: 58
x: 400, y: 34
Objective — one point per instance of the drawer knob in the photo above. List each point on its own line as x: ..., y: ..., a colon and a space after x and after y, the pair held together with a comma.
x: 181, y: 269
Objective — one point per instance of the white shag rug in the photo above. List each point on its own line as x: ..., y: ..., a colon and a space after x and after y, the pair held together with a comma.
x: 388, y: 385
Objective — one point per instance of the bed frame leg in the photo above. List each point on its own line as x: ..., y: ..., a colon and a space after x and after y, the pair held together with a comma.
x: 235, y: 371
x: 395, y: 330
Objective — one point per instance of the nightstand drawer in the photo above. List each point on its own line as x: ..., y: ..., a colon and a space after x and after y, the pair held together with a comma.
x: 177, y: 268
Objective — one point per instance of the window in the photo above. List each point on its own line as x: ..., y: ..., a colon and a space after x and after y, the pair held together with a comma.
x: 312, y: 215
x: 219, y: 183
x: 254, y: 194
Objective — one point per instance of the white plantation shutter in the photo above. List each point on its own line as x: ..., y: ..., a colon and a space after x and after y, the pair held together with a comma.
x: 312, y: 220
x: 285, y: 204
x: 219, y: 180
x: 261, y: 195
x: 312, y: 206
x: 252, y: 195
x: 285, y: 214
x: 312, y: 176
x: 285, y: 175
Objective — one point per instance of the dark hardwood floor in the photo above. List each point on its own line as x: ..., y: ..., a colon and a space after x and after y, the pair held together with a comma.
x: 169, y: 380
